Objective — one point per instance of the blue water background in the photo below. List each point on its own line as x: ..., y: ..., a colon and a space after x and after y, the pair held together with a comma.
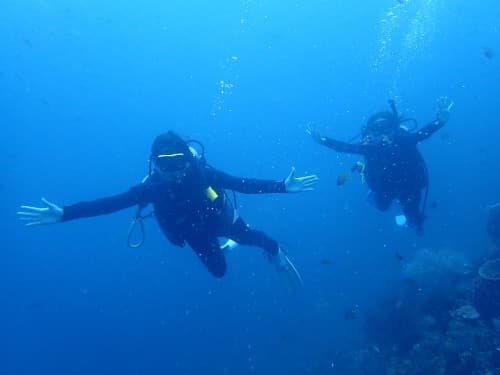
x: 86, y: 86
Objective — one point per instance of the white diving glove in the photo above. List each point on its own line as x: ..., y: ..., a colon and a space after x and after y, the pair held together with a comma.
x: 50, y: 214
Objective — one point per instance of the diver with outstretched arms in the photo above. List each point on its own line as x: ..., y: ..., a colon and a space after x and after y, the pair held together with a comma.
x: 190, y: 204
x: 393, y: 167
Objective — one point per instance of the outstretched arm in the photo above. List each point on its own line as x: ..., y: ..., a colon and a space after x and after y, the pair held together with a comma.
x: 428, y: 130
x: 442, y: 116
x: 290, y: 184
x: 338, y: 146
x: 51, y: 213
x: 106, y: 205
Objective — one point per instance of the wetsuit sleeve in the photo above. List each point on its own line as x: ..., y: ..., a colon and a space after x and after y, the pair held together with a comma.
x: 427, y: 131
x: 244, y: 185
x: 136, y: 195
x: 348, y: 148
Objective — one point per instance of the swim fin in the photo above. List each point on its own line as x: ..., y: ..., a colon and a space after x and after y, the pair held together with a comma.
x: 287, y: 271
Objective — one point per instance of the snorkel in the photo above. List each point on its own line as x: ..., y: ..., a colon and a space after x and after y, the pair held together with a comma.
x: 402, y: 120
x: 394, y: 110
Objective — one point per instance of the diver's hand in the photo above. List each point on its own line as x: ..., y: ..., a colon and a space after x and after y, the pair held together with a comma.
x: 299, y: 184
x: 314, y: 133
x: 444, y: 105
x: 50, y: 214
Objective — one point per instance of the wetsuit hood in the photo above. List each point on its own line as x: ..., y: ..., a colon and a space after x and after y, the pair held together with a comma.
x: 171, y: 157
x: 169, y: 143
x: 381, y: 123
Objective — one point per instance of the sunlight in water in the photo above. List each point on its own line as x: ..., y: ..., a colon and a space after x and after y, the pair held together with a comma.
x: 405, y: 32
x: 229, y: 65
x: 226, y: 85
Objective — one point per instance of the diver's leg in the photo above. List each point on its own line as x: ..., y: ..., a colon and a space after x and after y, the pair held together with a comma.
x: 208, y: 250
x: 241, y: 233
x: 383, y: 200
x: 410, y: 204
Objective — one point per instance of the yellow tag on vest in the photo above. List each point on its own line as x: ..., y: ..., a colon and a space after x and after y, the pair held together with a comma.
x: 212, y: 194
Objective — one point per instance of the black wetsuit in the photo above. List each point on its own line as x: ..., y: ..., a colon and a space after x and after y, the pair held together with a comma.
x: 186, y: 212
x: 394, y: 169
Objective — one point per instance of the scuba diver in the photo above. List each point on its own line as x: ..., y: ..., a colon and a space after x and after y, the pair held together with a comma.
x: 393, y: 167
x: 190, y: 205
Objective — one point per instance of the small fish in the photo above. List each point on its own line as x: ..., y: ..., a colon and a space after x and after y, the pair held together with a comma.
x: 27, y: 42
x: 343, y: 178
x: 399, y: 257
x: 410, y: 281
x: 352, y: 313
x: 488, y: 53
x: 402, y: 1
x: 445, y: 136
x: 326, y: 261
x: 323, y: 306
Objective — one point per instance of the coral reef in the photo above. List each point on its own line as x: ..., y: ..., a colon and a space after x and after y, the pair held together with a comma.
x: 431, y: 325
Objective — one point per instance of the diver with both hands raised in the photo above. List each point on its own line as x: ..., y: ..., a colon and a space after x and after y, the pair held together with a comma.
x: 393, y: 167
x: 190, y: 205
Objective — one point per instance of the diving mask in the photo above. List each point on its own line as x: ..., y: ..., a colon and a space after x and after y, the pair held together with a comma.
x: 172, y: 162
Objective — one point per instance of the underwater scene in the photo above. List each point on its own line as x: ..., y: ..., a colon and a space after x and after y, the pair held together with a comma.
x: 250, y: 187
